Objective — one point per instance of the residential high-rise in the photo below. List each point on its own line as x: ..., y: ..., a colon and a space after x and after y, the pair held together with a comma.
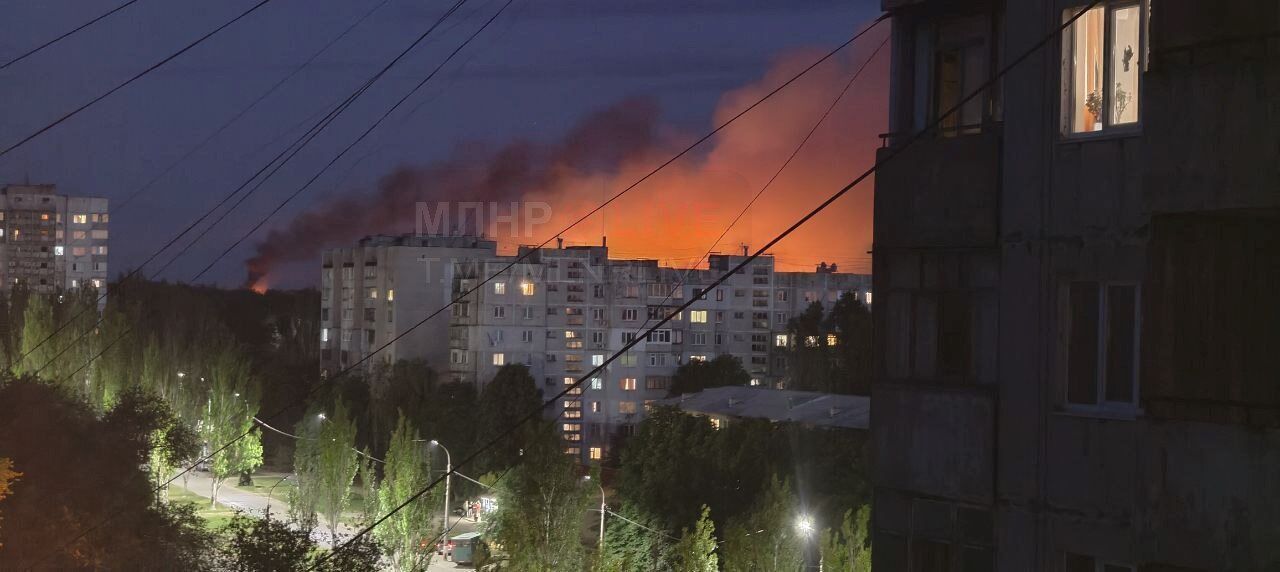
x: 1076, y: 289
x: 562, y: 311
x: 381, y: 288
x: 51, y: 241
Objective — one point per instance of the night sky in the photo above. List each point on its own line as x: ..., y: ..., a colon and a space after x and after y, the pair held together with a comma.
x: 541, y: 67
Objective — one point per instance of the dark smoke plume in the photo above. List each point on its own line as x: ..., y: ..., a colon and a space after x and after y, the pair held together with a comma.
x: 598, y: 143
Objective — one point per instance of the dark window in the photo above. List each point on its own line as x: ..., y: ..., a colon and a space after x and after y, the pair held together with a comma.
x: 1079, y: 563
x: 370, y: 314
x: 930, y: 556
x: 974, y: 559
x: 954, y: 344
x: 1082, y: 349
x: 1121, y: 327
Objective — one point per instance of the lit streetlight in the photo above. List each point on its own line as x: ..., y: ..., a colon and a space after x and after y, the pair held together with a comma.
x: 806, y: 528
x: 448, y: 472
x: 272, y: 491
x: 321, y: 417
x: 600, y: 546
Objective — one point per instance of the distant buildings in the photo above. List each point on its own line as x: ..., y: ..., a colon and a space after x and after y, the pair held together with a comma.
x: 1076, y: 277
x: 51, y: 241
x: 561, y: 312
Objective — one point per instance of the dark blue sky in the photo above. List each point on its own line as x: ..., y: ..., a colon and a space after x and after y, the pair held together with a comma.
x: 540, y: 67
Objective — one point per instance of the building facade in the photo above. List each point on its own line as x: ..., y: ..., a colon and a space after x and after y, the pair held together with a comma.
x: 52, y: 242
x: 1073, y: 367
x: 562, y: 311
x: 379, y: 289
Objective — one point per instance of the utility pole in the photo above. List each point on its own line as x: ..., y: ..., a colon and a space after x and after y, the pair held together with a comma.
x: 600, y: 546
x: 448, y: 467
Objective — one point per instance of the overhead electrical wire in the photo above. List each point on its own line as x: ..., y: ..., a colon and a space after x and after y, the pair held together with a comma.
x: 135, y: 77
x: 66, y: 34
x: 888, y: 156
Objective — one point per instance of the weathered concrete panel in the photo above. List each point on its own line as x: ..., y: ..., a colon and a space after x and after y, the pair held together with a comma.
x: 940, y: 442
x: 1090, y: 467
x: 940, y: 192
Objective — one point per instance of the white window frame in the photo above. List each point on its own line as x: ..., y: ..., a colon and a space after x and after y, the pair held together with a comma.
x: 1119, y: 409
x: 1066, y: 110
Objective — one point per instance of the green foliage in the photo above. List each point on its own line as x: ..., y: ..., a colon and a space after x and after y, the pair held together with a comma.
x: 696, y: 375
x: 258, y: 545
x: 66, y: 453
x: 304, y: 497
x: 336, y: 464
x: 145, y: 417
x: 228, y: 427
x: 541, y: 506
x: 37, y: 326
x: 848, y: 548
x: 368, y: 479
x: 506, y: 400
x: 7, y: 477
x: 405, y: 473
x: 766, y: 539
x: 631, y: 547
x: 696, y: 550
x: 851, y: 320
x: 832, y: 352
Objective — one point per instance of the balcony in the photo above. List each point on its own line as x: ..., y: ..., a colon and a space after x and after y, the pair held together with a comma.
x: 940, y: 192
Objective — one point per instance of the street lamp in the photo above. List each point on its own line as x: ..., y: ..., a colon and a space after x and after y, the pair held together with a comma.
x: 600, y: 546
x: 448, y: 468
x: 321, y: 417
x: 805, y: 526
x: 272, y: 491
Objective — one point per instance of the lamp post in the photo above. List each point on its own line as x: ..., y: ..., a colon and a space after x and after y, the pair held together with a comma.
x: 272, y: 491
x: 805, y: 526
x: 448, y: 468
x: 600, y: 547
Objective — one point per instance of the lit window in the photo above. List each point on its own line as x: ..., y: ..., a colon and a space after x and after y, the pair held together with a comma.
x: 595, y: 453
x: 832, y: 339
x: 391, y: 295
x: 1102, y: 54
x: 868, y: 299
x: 59, y: 250
x: 324, y: 334
x: 597, y: 383
x: 79, y: 219
x: 44, y: 216
x: 373, y: 293
x: 694, y: 358
x: 698, y: 316
x: 571, y: 427
x: 499, y: 287
x: 780, y: 340
x: 96, y: 283
x: 569, y: 380
x: 628, y: 384
x: 526, y: 288
x: 499, y: 359
x: 597, y: 359
x: 755, y: 381
x: 595, y: 406
x: 628, y: 360
x: 715, y: 423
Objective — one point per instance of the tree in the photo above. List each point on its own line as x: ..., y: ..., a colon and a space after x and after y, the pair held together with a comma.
x: 851, y: 320
x: 37, y: 345
x: 506, y: 400
x: 336, y: 464
x: 7, y: 478
x: 696, y: 550
x: 846, y: 548
x: 304, y: 497
x: 809, y: 360
x: 228, y: 429
x: 765, y: 540
x: 66, y: 454
x: 368, y: 478
x: 255, y: 545
x: 698, y: 375
x: 631, y: 547
x: 541, y: 506
x: 143, y: 416
x: 405, y: 473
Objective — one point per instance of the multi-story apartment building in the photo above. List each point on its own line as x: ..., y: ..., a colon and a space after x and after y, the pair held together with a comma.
x: 50, y: 241
x: 381, y: 288
x: 562, y: 311
x: 1075, y: 277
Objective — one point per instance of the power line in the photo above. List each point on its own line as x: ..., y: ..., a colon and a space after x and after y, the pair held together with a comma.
x: 33, y: 51
x: 136, y: 77
x: 249, y: 107
x: 805, y: 140
x: 285, y: 154
x: 522, y: 257
x: 888, y: 156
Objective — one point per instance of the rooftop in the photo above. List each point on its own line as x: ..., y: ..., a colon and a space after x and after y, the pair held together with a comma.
x: 805, y: 407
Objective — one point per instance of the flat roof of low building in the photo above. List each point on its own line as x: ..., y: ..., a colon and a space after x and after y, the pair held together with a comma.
x: 805, y: 407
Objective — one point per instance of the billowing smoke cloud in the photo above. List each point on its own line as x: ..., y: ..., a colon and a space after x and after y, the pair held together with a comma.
x: 676, y: 215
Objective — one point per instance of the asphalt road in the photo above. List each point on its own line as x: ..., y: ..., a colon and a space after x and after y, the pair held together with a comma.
x: 256, y: 504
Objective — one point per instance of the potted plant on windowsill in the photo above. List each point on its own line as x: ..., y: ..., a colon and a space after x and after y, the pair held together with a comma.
x: 1093, y: 103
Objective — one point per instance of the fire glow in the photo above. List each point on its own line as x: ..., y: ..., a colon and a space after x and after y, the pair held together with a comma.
x: 676, y: 214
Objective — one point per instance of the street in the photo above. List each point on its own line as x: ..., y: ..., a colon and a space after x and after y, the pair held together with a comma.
x: 256, y: 504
